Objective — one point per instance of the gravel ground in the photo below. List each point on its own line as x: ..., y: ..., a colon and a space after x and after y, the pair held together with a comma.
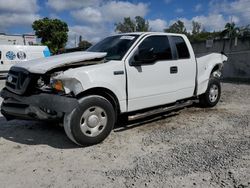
x: 194, y: 147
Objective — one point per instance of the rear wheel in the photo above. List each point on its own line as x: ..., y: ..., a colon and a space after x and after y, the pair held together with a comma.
x: 91, y: 122
x: 212, y: 95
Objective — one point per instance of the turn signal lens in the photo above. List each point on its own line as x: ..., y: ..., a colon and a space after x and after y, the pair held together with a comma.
x: 57, y: 85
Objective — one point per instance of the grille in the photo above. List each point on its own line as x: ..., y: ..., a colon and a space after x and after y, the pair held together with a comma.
x: 17, y: 80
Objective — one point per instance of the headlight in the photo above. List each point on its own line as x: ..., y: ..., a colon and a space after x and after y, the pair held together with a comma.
x: 57, y: 85
x: 60, y: 82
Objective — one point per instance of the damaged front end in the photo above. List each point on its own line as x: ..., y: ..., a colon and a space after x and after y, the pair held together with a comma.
x: 34, y: 96
x: 42, y: 91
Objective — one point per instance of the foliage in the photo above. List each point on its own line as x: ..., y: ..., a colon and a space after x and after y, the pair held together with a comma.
x: 142, y: 25
x: 230, y: 31
x: 139, y: 24
x: 53, y: 33
x: 196, y: 28
x: 84, y: 44
x: 245, y: 31
x: 203, y: 36
x: 177, y: 27
x: 197, y: 34
x: 127, y: 26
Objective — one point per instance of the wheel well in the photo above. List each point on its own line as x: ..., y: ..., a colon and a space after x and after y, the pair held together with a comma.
x: 216, y: 67
x: 106, y: 93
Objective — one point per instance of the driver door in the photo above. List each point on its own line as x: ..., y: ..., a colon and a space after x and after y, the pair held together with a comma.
x: 152, y: 83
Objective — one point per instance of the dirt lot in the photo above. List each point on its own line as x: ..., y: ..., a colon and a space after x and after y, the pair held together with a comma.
x: 191, y: 148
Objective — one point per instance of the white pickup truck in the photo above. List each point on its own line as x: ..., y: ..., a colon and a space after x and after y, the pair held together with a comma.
x: 123, y: 74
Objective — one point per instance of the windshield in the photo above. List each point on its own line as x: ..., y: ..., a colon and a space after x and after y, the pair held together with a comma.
x: 115, y: 46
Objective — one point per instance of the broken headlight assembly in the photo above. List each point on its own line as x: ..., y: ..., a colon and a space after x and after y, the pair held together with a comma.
x: 57, y: 85
x: 49, y: 82
x: 60, y: 83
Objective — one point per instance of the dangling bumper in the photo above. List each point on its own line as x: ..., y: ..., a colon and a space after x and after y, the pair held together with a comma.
x: 44, y: 106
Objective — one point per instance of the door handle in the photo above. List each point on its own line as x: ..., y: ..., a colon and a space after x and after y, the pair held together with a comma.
x: 173, y: 70
x: 118, y: 72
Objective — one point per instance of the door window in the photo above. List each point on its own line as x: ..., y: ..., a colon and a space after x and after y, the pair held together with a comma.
x: 158, y: 45
x: 181, y: 47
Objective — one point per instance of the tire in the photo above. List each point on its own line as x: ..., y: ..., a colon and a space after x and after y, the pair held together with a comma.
x: 91, y: 122
x: 212, y: 95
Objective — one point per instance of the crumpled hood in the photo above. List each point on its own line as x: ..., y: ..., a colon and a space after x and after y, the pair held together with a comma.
x: 43, y: 65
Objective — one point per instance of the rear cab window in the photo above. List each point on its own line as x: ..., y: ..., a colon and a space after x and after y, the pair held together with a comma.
x: 181, y: 47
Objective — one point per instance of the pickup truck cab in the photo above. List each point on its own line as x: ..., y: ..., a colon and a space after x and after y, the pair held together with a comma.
x: 123, y: 74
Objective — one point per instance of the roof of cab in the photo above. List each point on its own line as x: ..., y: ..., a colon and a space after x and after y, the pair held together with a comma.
x: 149, y: 33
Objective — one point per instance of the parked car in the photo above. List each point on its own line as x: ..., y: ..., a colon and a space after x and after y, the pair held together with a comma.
x: 124, y: 74
x: 12, y: 54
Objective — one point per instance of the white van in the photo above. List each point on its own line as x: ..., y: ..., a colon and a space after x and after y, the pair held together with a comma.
x: 12, y: 54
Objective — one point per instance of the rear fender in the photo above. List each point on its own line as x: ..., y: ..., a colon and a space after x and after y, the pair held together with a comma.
x: 209, y: 65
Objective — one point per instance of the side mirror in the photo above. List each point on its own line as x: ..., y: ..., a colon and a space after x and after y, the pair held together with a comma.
x: 144, y: 56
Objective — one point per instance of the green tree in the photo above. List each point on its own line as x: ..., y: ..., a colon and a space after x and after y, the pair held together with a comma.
x: 177, y: 27
x: 196, y: 28
x: 126, y: 26
x: 203, y: 36
x: 245, y: 31
x: 230, y: 31
x: 53, y: 33
x: 139, y: 24
x: 142, y: 25
x: 84, y: 44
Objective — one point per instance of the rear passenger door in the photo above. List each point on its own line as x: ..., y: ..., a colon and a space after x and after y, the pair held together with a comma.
x: 185, y: 64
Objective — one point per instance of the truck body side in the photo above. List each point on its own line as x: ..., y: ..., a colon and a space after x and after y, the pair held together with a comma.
x: 147, y: 85
x: 88, y: 91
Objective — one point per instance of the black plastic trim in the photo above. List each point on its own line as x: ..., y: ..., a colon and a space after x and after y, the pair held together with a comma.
x: 44, y: 100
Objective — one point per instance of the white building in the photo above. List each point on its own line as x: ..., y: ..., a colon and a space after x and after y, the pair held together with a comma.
x: 25, y: 39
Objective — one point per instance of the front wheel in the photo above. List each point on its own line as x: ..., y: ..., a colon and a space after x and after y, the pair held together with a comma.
x: 91, y: 122
x: 212, y: 95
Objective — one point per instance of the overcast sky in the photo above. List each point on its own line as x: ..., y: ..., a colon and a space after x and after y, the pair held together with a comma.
x: 94, y: 19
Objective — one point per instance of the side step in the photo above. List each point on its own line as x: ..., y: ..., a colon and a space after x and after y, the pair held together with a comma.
x: 160, y: 110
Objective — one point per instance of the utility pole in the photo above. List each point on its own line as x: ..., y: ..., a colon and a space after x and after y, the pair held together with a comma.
x: 75, y: 40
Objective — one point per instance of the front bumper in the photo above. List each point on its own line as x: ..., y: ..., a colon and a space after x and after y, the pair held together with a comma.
x: 3, y: 74
x: 42, y: 106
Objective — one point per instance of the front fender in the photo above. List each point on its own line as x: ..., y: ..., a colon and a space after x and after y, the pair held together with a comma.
x: 97, y: 76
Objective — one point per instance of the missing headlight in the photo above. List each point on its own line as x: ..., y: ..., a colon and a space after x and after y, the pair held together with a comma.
x: 40, y: 82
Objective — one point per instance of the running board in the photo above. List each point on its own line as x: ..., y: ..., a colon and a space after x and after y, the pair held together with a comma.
x: 160, y: 110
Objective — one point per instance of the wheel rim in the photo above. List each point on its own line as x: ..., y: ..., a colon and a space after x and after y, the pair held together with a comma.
x: 93, y: 121
x: 213, y: 93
